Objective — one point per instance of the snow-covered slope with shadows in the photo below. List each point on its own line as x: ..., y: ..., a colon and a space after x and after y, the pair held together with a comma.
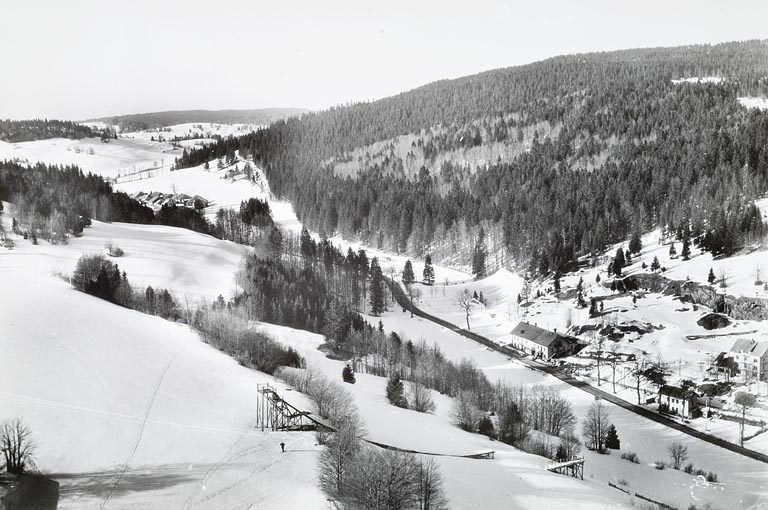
x: 132, y: 411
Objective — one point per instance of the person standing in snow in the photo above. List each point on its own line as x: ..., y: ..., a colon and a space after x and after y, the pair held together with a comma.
x: 282, y: 446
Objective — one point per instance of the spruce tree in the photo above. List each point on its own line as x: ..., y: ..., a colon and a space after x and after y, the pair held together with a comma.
x: 396, y: 392
x: 655, y: 265
x: 376, y: 297
x: 348, y: 375
x: 711, y: 278
x: 686, y: 253
x: 556, y: 282
x: 275, y: 242
x: 618, y: 262
x: 408, y: 276
x: 580, y: 301
x: 635, y: 244
x: 479, y: 255
x: 612, y: 441
x: 429, y: 271
x: 672, y: 251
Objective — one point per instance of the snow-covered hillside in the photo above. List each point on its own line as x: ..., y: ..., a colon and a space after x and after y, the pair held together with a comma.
x: 118, y: 157
x: 193, y: 266
x: 132, y: 411
x: 199, y: 130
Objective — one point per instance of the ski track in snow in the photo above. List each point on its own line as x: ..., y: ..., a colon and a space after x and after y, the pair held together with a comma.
x: 141, y: 428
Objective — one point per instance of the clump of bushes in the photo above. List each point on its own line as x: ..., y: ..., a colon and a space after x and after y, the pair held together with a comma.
x: 660, y: 464
x: 631, y: 456
x: 708, y: 475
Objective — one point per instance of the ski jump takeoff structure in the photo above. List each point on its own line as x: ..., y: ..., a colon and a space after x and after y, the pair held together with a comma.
x: 574, y: 467
x: 272, y: 412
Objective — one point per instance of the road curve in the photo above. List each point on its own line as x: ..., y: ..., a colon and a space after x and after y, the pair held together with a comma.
x: 403, y: 301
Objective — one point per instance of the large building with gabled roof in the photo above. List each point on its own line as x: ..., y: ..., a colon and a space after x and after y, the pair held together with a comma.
x: 751, y: 357
x: 540, y: 342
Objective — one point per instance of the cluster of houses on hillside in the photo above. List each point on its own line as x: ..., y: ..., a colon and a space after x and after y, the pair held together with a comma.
x: 746, y: 360
x: 155, y: 200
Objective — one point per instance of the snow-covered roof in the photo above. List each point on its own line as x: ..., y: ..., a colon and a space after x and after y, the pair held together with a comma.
x: 752, y: 347
x: 535, y: 334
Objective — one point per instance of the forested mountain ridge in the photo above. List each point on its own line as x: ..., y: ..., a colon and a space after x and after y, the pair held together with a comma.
x: 552, y: 160
x: 154, y: 120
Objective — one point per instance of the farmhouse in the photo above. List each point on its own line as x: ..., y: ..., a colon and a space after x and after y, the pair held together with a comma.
x: 675, y: 400
x: 751, y: 357
x: 541, y: 342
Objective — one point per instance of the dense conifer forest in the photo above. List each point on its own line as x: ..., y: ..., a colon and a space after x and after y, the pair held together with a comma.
x: 552, y: 160
x: 14, y: 131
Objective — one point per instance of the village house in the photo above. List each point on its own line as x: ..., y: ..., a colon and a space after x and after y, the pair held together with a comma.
x: 540, y: 342
x: 675, y: 400
x: 751, y: 357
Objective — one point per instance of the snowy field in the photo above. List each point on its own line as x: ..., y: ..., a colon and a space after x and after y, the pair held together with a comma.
x: 754, y: 102
x: 202, y: 130
x: 193, y: 266
x: 118, y: 157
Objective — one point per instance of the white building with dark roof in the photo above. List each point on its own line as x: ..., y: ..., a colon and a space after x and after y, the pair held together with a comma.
x: 541, y: 342
x: 751, y: 357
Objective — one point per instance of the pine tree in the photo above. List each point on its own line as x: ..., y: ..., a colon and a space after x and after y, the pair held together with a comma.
x: 408, y: 276
x: 635, y: 244
x: 556, y: 282
x: 485, y: 427
x: 655, y: 265
x: 396, y: 392
x: 348, y: 375
x: 672, y: 251
x: 686, y: 253
x: 612, y: 441
x: 376, y: 297
x: 618, y: 262
x: 275, y: 242
x: 580, y: 301
x: 711, y: 278
x: 479, y: 255
x: 429, y: 271
x: 305, y: 241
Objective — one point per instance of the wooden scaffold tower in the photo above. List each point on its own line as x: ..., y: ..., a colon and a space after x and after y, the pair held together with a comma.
x: 272, y: 412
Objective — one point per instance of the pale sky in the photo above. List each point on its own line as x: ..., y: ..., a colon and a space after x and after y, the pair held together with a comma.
x: 77, y: 59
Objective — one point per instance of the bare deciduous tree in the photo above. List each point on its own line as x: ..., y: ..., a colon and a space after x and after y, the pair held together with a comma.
x: 679, y: 453
x: 465, y: 412
x: 744, y: 400
x: 421, y: 397
x: 337, y: 459
x: 430, y: 486
x: 570, y: 444
x: 16, y: 445
x: 595, y: 426
x: 464, y: 300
